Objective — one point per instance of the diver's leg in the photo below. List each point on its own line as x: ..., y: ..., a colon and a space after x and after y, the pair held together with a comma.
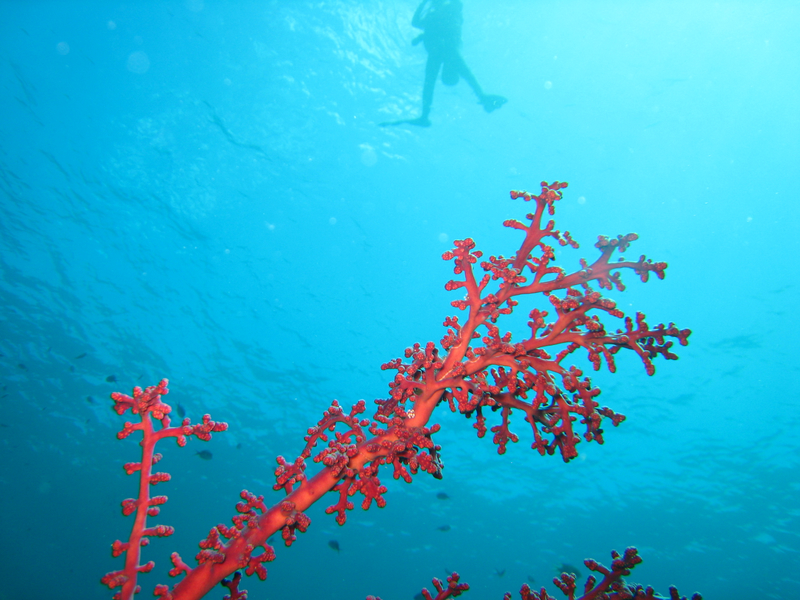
x: 463, y: 71
x: 490, y: 102
x: 431, y: 73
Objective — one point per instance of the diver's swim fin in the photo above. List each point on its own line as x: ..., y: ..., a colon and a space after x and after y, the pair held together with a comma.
x: 492, y: 102
x: 419, y: 122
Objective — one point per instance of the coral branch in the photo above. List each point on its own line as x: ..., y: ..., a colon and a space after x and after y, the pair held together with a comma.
x: 149, y: 406
x: 477, y: 370
x: 612, y: 586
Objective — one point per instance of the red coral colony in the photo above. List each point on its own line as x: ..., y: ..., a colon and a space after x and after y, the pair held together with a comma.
x: 475, y: 370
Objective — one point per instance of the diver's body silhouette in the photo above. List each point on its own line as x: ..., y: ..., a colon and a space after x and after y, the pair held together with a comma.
x: 440, y: 21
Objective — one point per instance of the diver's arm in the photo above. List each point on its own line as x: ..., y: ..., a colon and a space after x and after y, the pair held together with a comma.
x: 418, y: 19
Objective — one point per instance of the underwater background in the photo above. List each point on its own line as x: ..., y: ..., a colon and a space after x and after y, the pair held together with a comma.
x: 202, y: 191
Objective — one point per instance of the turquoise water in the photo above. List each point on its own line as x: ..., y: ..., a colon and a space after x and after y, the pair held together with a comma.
x: 202, y: 191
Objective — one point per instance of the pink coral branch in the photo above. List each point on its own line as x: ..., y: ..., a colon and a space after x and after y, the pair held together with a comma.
x: 611, y: 586
x: 148, y: 405
x: 477, y: 367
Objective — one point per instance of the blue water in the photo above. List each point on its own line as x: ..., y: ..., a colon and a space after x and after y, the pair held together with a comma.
x: 201, y: 191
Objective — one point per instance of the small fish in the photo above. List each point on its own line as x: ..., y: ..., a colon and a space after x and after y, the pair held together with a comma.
x: 442, y: 496
x: 181, y: 410
x: 23, y: 367
x: 204, y: 454
x: 443, y: 528
x: 111, y: 379
x: 333, y: 545
x: 72, y: 368
x: 499, y: 572
x: 419, y: 597
x: 239, y: 446
x: 80, y: 356
x: 531, y: 580
x: 91, y: 400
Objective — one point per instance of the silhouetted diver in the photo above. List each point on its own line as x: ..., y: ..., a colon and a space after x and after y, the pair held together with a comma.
x: 441, y: 21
